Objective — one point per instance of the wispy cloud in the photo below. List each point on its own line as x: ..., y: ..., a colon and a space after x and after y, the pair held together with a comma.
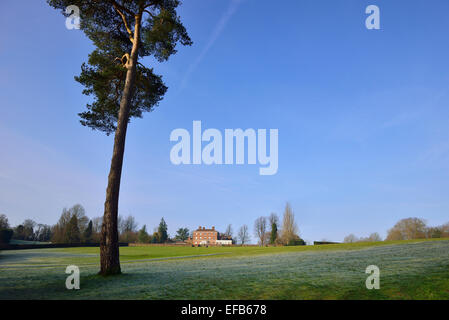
x: 436, y: 153
x: 219, y: 27
x: 416, y: 115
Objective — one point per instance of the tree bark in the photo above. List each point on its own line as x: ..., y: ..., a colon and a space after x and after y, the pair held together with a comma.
x: 109, y: 245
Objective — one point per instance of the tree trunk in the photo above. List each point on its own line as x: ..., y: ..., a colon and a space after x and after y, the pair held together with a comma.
x: 109, y: 245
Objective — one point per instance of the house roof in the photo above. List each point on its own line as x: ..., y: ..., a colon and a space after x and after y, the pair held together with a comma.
x: 204, y: 229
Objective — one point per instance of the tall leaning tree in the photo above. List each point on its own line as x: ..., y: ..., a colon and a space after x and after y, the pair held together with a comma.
x: 123, y: 32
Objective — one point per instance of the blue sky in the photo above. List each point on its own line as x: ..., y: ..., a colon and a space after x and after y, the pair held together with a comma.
x: 363, y: 117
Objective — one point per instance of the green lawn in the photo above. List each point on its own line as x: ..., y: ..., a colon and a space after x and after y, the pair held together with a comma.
x: 409, y: 270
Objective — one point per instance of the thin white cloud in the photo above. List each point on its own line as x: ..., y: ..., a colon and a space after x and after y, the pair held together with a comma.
x: 411, y: 116
x: 219, y: 27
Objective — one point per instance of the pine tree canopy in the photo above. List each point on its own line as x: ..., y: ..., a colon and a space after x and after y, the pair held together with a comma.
x: 110, y: 25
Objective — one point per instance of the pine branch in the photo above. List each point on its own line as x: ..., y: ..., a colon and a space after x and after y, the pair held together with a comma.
x: 119, y: 7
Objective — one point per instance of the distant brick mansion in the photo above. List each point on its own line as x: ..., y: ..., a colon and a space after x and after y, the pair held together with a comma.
x: 209, y: 237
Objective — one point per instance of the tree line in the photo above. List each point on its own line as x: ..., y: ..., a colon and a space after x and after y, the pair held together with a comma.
x: 74, y: 226
x: 406, y: 229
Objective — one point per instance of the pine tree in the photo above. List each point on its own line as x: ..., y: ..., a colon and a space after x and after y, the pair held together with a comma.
x: 87, y: 235
x: 274, y: 233
x: 143, y: 236
x: 182, y: 234
x: 162, y: 231
x: 122, y: 31
x: 72, y: 232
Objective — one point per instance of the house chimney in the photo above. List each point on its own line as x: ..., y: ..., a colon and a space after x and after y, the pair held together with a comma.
x: 213, y: 228
x: 199, y: 228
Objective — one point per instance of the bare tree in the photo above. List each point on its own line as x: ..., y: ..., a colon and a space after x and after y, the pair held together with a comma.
x: 243, y: 234
x: 38, y: 231
x: 438, y: 231
x: 374, y: 237
x: 29, y: 229
x: 350, y: 239
x: 96, y: 224
x: 28, y: 223
x: 407, y: 229
x: 445, y: 230
x: 127, y: 224
x: 43, y: 233
x: 78, y: 211
x: 4, y: 224
x: 260, y: 229
x: 127, y: 228
x: 273, y: 219
x: 229, y: 231
x: 289, y: 227
x: 59, y: 229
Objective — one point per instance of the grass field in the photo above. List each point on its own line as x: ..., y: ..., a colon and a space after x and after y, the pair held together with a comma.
x: 408, y: 270
x: 13, y: 241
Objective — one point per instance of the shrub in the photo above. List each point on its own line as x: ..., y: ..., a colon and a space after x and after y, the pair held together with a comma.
x: 296, y: 242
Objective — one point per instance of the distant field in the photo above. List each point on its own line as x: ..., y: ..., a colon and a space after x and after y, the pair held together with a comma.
x: 409, y: 270
x: 27, y: 242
